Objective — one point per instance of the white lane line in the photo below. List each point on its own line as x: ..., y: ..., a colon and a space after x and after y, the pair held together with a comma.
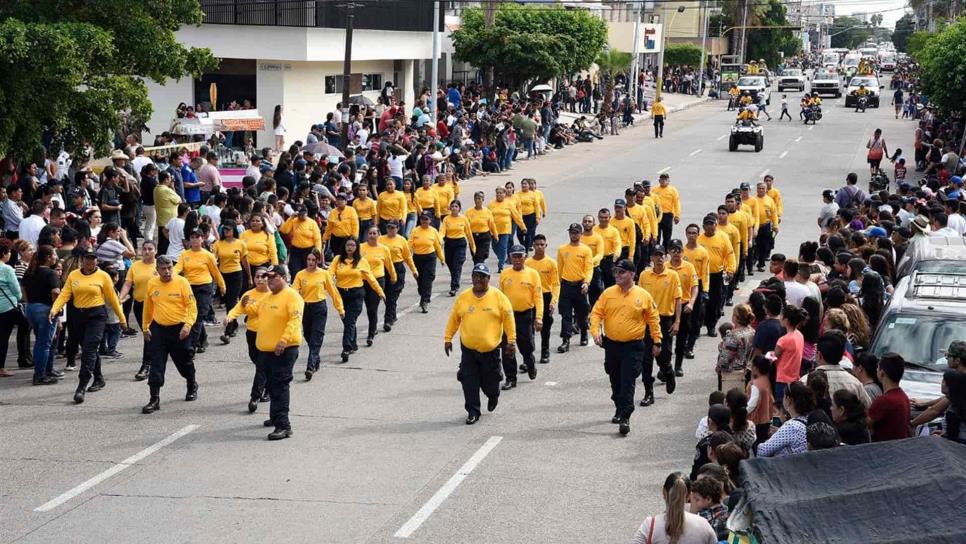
x: 550, y: 384
x: 433, y: 503
x: 663, y: 170
x: 764, y: 172
x: 798, y: 139
x: 695, y: 152
x: 783, y: 155
x: 116, y: 469
x: 811, y: 127
x: 722, y: 137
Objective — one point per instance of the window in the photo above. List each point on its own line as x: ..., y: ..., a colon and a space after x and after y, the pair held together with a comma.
x: 371, y: 82
x: 333, y: 84
x: 357, y: 83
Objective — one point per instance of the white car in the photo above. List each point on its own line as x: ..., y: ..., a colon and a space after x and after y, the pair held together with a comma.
x: 827, y: 83
x: 792, y: 78
x: 871, y: 84
x: 755, y: 85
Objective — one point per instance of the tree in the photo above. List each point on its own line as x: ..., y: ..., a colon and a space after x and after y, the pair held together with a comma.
x: 876, y: 19
x: 849, y: 32
x: 611, y: 63
x: 943, y: 60
x: 682, y: 54
x: 770, y: 43
x: 917, y: 42
x: 530, y: 41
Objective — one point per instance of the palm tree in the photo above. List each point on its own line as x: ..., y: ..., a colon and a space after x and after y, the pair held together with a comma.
x: 610, y: 63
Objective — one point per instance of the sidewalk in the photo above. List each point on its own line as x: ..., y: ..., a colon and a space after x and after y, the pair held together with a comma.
x: 672, y: 101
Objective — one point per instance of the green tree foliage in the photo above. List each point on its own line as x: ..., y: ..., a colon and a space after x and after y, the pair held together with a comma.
x: 771, y: 43
x: 530, y: 41
x: 611, y: 63
x: 917, y: 42
x: 74, y: 68
x: 943, y: 60
x: 846, y: 36
x: 681, y: 54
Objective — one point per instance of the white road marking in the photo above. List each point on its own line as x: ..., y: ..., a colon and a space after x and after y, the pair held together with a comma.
x: 437, y: 499
x: 722, y: 137
x: 663, y: 170
x: 695, y: 152
x: 116, y: 469
x: 811, y: 127
x: 783, y: 155
x: 798, y: 139
x: 550, y: 384
x: 764, y: 172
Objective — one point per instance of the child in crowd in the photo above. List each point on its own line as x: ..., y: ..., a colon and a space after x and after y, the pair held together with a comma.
x: 716, y: 397
x: 706, y: 502
x: 900, y: 171
x: 112, y: 332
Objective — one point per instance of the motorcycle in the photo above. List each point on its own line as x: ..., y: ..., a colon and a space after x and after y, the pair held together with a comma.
x: 813, y: 114
x: 861, y: 103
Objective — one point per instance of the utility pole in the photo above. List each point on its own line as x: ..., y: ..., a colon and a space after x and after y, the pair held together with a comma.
x: 347, y: 73
x: 635, y: 68
x: 744, y: 32
x: 489, y: 20
x: 434, y: 84
x: 704, y: 41
x: 659, y: 81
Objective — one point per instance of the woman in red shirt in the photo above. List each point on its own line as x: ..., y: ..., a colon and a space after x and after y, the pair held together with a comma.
x: 789, y: 350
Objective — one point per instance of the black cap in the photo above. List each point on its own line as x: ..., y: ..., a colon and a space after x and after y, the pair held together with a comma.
x: 626, y: 264
x: 620, y: 203
x: 646, y: 184
x: 658, y: 250
x: 828, y: 193
x: 426, y: 215
x: 88, y: 253
x: 575, y: 227
x: 518, y: 249
x: 709, y: 220
x: 676, y: 245
x: 392, y: 223
x: 744, y: 186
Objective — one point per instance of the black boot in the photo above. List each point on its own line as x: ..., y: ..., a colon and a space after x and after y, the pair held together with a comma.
x: 583, y: 338
x: 142, y: 373
x: 670, y: 383
x: 648, y: 397
x: 154, y: 404
x: 97, y: 385
x: 192, y: 393
x: 565, y: 346
x: 252, y: 405
x: 545, y: 355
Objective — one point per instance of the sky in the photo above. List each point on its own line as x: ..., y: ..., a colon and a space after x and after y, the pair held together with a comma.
x: 891, y: 10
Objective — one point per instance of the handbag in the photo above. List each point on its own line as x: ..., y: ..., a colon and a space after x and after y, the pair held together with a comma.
x: 16, y: 304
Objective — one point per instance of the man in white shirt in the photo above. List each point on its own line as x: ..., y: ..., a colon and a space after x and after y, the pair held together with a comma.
x: 908, y: 211
x: 829, y: 210
x: 396, y: 163
x: 31, y: 226
x: 940, y: 225
x: 175, y: 233
x: 795, y: 292
x: 253, y: 167
x: 140, y: 160
x: 13, y: 209
x: 954, y: 218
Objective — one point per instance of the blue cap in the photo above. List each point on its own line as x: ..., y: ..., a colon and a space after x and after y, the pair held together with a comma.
x: 266, y: 167
x: 956, y: 180
x: 876, y: 232
x: 620, y: 202
x: 481, y: 268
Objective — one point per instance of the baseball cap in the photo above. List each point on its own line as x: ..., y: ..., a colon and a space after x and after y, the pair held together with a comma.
x: 904, y: 232
x: 709, y: 220
x: 392, y: 223
x: 266, y: 167
x: 481, y: 268
x: 88, y: 253
x: 646, y: 183
x: 658, y: 250
x: 744, y: 186
x: 517, y: 249
x: 956, y: 180
x: 876, y: 232
x: 676, y: 245
x: 957, y: 349
x: 574, y: 227
x: 626, y: 264
x: 620, y: 203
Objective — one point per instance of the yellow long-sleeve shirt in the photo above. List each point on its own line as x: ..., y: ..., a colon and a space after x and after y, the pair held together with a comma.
x: 305, y: 233
x: 750, y: 207
x: 444, y: 196
x: 664, y: 288
x: 138, y: 276
x: 625, y: 227
x: 392, y: 206
x: 458, y: 227
x: 365, y: 208
x: 351, y: 277
x: 428, y: 199
x: 504, y: 213
x: 625, y: 316
x: 575, y: 263
x: 261, y: 247
x: 776, y: 196
x: 399, y: 250
x: 733, y: 236
x: 380, y: 260
x: 425, y: 240
x: 254, y: 296
x: 169, y: 303
x: 229, y: 255
x: 481, y: 221
x: 612, y: 239
x: 342, y: 223
x: 653, y: 213
x: 542, y: 200
x: 412, y: 206
x: 200, y: 268
x: 312, y: 287
x: 700, y: 260
x: 720, y: 251
x: 528, y: 202
x: 279, y: 319
x: 742, y: 223
x: 481, y: 321
x: 89, y: 291
x: 639, y: 215
x: 688, y: 277
x: 767, y: 211
x: 549, y: 276
x: 595, y: 243
x: 524, y: 289
x: 668, y: 199
x: 658, y: 108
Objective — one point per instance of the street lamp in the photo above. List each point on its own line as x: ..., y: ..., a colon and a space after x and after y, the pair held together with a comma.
x: 660, y: 58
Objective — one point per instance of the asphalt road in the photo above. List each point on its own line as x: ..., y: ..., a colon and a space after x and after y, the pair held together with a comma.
x: 382, y: 438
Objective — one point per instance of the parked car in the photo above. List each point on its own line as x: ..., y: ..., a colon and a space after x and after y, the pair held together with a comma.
x: 792, y: 78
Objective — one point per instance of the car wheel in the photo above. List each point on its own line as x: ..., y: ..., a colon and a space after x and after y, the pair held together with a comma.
x: 759, y: 144
x: 732, y: 144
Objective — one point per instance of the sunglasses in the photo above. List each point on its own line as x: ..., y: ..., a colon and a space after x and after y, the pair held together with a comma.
x: 261, y: 276
x: 271, y: 276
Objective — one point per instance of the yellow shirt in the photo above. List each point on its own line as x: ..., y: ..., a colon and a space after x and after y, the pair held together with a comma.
x: 639, y: 215
x: 138, y: 276
x: 427, y: 199
x: 305, y: 233
x: 279, y: 319
x: 528, y: 202
x: 688, y: 277
x: 625, y: 316
x: 523, y: 288
x: 312, y: 287
x: 741, y: 222
x: 664, y: 288
x: 767, y: 211
x: 455, y: 228
x: 254, y: 296
x: 658, y: 108
x: 612, y: 239
x: 229, y: 255
x: 89, y: 291
x: 700, y: 260
x: 342, y: 223
x: 261, y: 247
x: 733, y: 236
x: 365, y: 208
x: 653, y: 213
x: 351, y: 277
x: 776, y: 196
x: 424, y: 240
x: 169, y: 303
x: 412, y: 206
x: 399, y: 250
x: 444, y: 196
x: 166, y: 202
x: 481, y: 221
x: 595, y: 243
x: 542, y: 200
x: 380, y: 260
x: 199, y: 267
x: 750, y: 207
x: 628, y: 234
x: 481, y: 321
x: 576, y: 263
x: 668, y: 199
x: 503, y: 213
x: 722, y: 255
x: 392, y: 206
x: 549, y: 276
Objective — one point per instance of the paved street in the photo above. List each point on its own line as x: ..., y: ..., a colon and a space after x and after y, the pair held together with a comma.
x: 377, y: 438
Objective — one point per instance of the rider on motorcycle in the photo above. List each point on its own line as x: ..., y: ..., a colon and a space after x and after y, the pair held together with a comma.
x: 861, y: 93
x: 748, y: 114
x: 745, y: 99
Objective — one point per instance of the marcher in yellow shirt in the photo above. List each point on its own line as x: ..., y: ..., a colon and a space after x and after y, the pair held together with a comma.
x: 401, y: 258
x: 528, y: 203
x: 380, y: 262
x: 484, y: 318
x: 444, y: 197
x: 721, y: 264
x: 428, y: 199
x: 652, y: 210
x: 351, y: 270
x: 253, y: 296
x: 689, y: 298
x: 232, y: 256
x: 136, y: 283
x: 390, y: 206
x: 425, y: 243
x: 505, y: 214
x: 550, y: 288
x: 169, y: 313
x: 198, y: 266
x: 456, y: 232
x: 669, y: 201
x: 540, y: 197
x: 664, y: 286
x: 626, y: 312
x: 262, y: 250
x: 365, y: 208
x: 482, y: 226
x: 312, y: 283
x: 342, y: 224
x: 767, y: 225
x: 575, y: 261
x: 775, y: 194
x: 590, y: 238
x: 522, y: 287
x: 624, y: 225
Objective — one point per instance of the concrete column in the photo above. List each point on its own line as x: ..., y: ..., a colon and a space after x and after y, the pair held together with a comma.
x: 269, y: 91
x: 408, y: 83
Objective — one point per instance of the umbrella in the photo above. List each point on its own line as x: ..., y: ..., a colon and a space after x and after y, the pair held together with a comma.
x: 322, y: 148
x: 542, y: 88
x: 360, y: 100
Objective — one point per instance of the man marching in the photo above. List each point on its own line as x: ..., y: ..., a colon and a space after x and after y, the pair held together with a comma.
x: 664, y: 286
x: 521, y: 285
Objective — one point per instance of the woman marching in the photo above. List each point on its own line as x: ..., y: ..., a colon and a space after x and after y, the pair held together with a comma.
x: 380, y: 262
x: 424, y: 241
x: 89, y: 288
x: 198, y: 265
x: 252, y: 297
x: 312, y: 283
x: 482, y: 226
x: 136, y: 284
x: 505, y: 215
x: 456, y: 233
x: 401, y: 258
x: 528, y: 203
x: 412, y: 207
x: 232, y: 256
x: 350, y: 271
x: 262, y: 251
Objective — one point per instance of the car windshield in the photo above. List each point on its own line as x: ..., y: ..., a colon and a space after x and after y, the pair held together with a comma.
x: 751, y: 82
x: 792, y: 73
x: 863, y: 81
x: 918, y: 338
x: 825, y: 75
x: 851, y: 62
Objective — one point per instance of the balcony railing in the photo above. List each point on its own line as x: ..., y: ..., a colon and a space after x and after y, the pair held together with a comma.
x: 400, y: 15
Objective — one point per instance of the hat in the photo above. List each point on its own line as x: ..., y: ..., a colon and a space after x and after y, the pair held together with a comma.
x: 646, y: 183
x: 88, y: 253
x: 118, y: 155
x: 78, y: 191
x: 920, y: 224
x: 658, y: 250
x: 517, y: 249
x: 957, y: 349
x: 575, y: 227
x: 266, y: 167
x: 828, y: 193
x: 904, y: 232
x: 481, y: 268
x: 876, y: 232
x: 709, y: 220
x: 626, y: 264
x: 956, y: 180
x: 341, y: 195
x: 676, y: 245
x: 744, y: 186
x: 620, y: 203
x: 426, y: 215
